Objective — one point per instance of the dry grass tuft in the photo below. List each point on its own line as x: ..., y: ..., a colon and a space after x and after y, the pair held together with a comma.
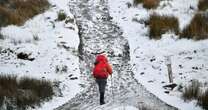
x: 192, y: 91
x: 24, y: 92
x: 61, y: 15
x: 148, y: 4
x: 203, y: 5
x: 162, y: 24
x: 203, y: 100
x: 136, y: 2
x: 198, y: 28
x: 18, y: 11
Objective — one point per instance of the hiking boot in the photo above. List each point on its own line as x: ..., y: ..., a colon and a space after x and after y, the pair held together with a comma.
x: 101, y: 103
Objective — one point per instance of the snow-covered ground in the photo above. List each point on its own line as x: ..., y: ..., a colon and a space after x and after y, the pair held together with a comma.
x: 125, y: 108
x: 188, y: 58
x: 54, y: 46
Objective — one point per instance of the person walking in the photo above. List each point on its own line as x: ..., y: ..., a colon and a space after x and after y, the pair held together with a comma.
x: 102, y: 69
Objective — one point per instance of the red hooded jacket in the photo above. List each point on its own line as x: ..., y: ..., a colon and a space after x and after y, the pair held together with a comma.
x: 102, y: 69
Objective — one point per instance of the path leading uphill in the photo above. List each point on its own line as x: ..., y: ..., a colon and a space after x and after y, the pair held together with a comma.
x: 98, y: 33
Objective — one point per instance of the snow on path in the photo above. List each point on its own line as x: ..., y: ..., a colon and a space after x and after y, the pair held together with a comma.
x: 98, y: 33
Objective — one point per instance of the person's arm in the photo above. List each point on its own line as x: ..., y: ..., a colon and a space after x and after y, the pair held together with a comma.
x: 109, y: 69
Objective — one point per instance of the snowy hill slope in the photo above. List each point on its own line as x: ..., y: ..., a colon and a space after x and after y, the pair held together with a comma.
x: 189, y: 58
x: 54, y: 47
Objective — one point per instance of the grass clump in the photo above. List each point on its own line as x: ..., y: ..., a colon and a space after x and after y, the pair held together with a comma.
x: 61, y: 15
x: 136, y: 2
x: 203, y: 5
x: 197, y: 29
x: 18, y: 11
x: 192, y: 91
x: 24, y: 92
x: 148, y: 4
x: 161, y: 24
x: 203, y: 100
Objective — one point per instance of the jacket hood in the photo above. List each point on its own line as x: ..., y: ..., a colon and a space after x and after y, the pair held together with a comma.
x: 101, y: 58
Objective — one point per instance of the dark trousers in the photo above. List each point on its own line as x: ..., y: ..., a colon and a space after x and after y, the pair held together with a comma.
x: 102, y: 84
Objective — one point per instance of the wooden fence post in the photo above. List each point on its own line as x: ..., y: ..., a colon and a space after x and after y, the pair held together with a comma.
x: 170, y: 73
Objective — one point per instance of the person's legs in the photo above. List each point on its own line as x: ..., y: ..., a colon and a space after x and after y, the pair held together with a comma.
x: 102, y: 98
x: 102, y: 85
